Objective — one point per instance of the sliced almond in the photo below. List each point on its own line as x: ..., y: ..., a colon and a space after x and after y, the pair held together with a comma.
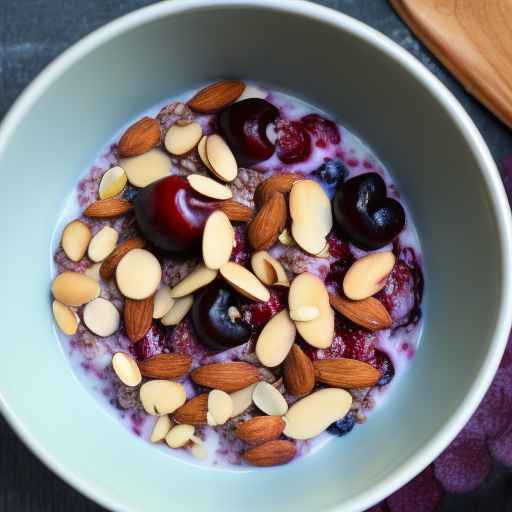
x: 75, y: 240
x: 269, y: 400
x: 201, y: 149
x: 166, y: 366
x: 221, y: 158
x: 280, y: 182
x: 228, y: 377
x: 271, y: 453
x: 268, y: 223
x: 369, y: 313
x: 304, y: 313
x: 138, y: 317
x: 179, y: 435
x: 112, y: 183
x: 161, y: 397
x: 236, y: 212
x: 368, y: 275
x: 101, y: 317
x: 276, y: 340
x: 298, y: 372
x: 346, y: 373
x: 138, y: 274
x: 94, y: 272
x: 74, y: 289
x: 178, y: 311
x: 65, y: 318
x: 286, y: 239
x: 208, y: 187
x: 162, y: 426
x: 220, y: 406
x: 163, y: 302
x: 308, y: 290
x: 182, y: 139
x: 199, y: 277
x: 210, y: 420
x: 193, y: 412
x: 218, y: 240
x: 244, y: 281
x: 311, y: 415
x: 126, y: 369
x: 260, y: 429
x: 267, y: 269
x: 140, y: 137
x: 109, y: 265
x: 199, y: 451
x: 102, y: 244
x: 216, y: 96
x: 145, y: 169
x: 310, y: 210
x: 106, y: 208
x: 242, y: 400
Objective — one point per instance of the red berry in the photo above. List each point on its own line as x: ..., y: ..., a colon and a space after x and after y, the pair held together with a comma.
x: 152, y: 344
x: 293, y: 141
x: 323, y: 131
x: 259, y: 313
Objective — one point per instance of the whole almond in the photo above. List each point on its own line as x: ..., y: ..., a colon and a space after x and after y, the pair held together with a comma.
x: 369, y: 313
x: 227, y: 377
x: 271, y: 453
x: 260, y: 429
x: 236, y: 212
x: 108, y: 267
x: 105, y: 208
x: 298, y: 372
x: 166, y: 366
x: 278, y: 183
x: 139, y: 138
x: 268, y: 223
x: 194, y: 411
x: 216, y: 96
x: 346, y: 373
x: 138, y: 317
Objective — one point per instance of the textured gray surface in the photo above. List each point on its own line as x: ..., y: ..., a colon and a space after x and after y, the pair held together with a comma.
x: 32, y: 33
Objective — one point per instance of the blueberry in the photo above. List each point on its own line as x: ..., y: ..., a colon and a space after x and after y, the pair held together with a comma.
x: 130, y: 193
x: 331, y: 174
x: 343, y: 426
x: 387, y: 370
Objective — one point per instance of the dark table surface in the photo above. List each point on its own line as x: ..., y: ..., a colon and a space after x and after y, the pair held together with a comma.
x: 32, y: 33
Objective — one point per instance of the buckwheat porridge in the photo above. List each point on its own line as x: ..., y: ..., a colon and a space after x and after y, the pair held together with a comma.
x: 237, y: 277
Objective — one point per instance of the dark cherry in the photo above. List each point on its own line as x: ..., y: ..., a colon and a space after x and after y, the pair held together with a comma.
x: 171, y: 215
x: 364, y: 214
x: 323, y: 130
x: 211, y: 320
x: 293, y: 141
x: 244, y: 127
x: 384, y: 364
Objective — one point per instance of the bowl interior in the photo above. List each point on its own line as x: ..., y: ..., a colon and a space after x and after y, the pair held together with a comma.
x: 329, y: 63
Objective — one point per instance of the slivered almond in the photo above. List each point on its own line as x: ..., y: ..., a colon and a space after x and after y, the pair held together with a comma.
x: 298, y: 372
x: 208, y: 187
x: 140, y: 137
x: 105, y: 208
x: 126, y: 369
x: 178, y: 311
x: 268, y: 223
x: 109, y: 265
x: 194, y: 411
x: 181, y: 139
x: 75, y: 240
x: 138, y: 317
x: 271, y: 453
x: 145, y: 169
x: 304, y: 313
x: 166, y: 366
x: 242, y: 400
x: 236, y: 212
x: 268, y: 270
x: 368, y: 275
x: 199, y: 277
x: 275, y: 340
x: 163, y: 302
x: 278, y: 183
x: 179, y: 435
x: 260, y: 429
x: 220, y: 406
x: 369, y: 313
x: 65, y: 318
x: 244, y: 281
x: 346, y: 373
x: 161, y: 397
x: 162, y: 426
x: 138, y: 274
x: 112, y: 183
x: 269, y: 400
x: 221, y: 158
x: 101, y: 317
x: 227, y: 377
x: 310, y: 211
x: 102, y: 244
x: 201, y: 149
x: 216, y: 96
x: 74, y: 289
x: 218, y: 240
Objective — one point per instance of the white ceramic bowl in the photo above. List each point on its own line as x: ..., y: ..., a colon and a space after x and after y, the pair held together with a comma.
x: 434, y: 151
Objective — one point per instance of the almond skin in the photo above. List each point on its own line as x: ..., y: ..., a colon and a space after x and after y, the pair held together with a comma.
x: 139, y: 138
x: 278, y: 183
x: 228, y: 377
x: 298, y: 372
x: 194, y: 411
x: 271, y: 453
x: 260, y: 429
x: 105, y: 208
x: 108, y: 267
x: 138, y: 317
x: 268, y: 223
x: 216, y: 96
x: 166, y: 366
x: 235, y: 211
x: 346, y: 373
x: 369, y: 313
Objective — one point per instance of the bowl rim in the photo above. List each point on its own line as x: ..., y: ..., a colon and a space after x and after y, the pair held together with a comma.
x: 500, y: 205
